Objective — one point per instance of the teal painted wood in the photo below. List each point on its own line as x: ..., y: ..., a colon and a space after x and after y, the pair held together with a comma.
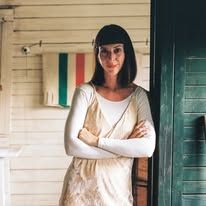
x: 194, y: 160
x: 194, y: 78
x: 178, y: 132
x: 194, y: 200
x: 162, y: 94
x: 194, y: 147
x: 195, y: 105
x: 178, y: 112
x: 194, y: 187
x: 191, y: 82
x: 194, y: 174
x: 165, y: 130
x: 180, y: 37
x: 197, y: 52
x: 193, y: 133
x: 195, y: 65
x: 192, y: 119
x: 195, y: 92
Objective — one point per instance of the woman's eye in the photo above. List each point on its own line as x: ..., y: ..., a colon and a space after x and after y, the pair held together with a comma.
x: 117, y: 50
x: 103, y: 51
x: 106, y: 53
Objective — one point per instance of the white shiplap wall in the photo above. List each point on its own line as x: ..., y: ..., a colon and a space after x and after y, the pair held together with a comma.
x: 61, y: 25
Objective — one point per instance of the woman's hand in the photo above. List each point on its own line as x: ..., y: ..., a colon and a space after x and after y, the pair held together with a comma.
x: 140, y: 130
x: 88, y: 138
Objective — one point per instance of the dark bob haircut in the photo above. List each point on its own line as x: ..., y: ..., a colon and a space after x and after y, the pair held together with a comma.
x: 112, y: 34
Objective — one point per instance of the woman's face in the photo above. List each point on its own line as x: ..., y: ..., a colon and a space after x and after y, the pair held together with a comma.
x: 111, y: 57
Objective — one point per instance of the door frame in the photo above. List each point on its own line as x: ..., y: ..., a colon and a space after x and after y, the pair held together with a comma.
x: 162, y: 53
x: 6, y: 40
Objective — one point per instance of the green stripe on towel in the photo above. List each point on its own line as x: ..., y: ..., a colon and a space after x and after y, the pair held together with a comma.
x: 63, y: 62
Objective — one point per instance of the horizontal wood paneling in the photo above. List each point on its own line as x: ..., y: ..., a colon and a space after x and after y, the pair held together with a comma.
x: 146, y: 61
x: 38, y: 125
x: 33, y: 163
x: 145, y: 74
x: 35, y: 200
x: 82, y: 11
x: 193, y: 133
x: 195, y: 78
x: 192, y: 119
x: 37, y: 175
x: 35, y: 138
x: 195, y: 65
x: 194, y: 187
x: 194, y: 174
x: 194, y: 160
x: 138, y: 35
x: 24, y: 76
x: 140, y: 47
x: 26, y: 101
x: 195, y: 92
x: 36, y: 188
x: 195, y: 105
x: 66, y: 2
x: 27, y: 88
x: 40, y: 113
x: 6, y: 12
x: 80, y: 23
x: 42, y: 151
x: 191, y: 200
x: 194, y: 147
x: 28, y: 63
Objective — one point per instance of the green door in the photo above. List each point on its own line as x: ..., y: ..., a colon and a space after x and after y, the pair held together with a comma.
x: 189, y: 141
x: 178, y: 85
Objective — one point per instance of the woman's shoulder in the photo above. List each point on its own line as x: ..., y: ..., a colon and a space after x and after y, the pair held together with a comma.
x: 137, y: 87
x: 86, y: 87
x: 140, y: 90
x: 87, y: 90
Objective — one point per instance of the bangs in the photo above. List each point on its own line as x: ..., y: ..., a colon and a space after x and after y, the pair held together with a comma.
x: 110, y: 34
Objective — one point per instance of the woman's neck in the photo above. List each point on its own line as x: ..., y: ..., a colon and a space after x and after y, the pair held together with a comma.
x: 111, y: 83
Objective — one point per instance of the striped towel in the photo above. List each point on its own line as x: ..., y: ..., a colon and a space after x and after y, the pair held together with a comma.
x: 62, y: 72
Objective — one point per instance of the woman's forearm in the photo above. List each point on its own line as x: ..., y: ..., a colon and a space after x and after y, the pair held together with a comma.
x: 135, y: 147
x: 75, y: 121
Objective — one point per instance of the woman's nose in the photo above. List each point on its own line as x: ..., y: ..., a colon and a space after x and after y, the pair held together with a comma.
x: 111, y: 56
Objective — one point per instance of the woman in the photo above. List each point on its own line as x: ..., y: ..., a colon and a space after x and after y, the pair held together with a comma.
x: 109, y: 124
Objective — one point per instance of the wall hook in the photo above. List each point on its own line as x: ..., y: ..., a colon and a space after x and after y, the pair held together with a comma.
x: 27, y: 49
x: 147, y: 41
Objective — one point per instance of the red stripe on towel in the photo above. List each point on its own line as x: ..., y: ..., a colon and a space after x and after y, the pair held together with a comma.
x: 80, y: 64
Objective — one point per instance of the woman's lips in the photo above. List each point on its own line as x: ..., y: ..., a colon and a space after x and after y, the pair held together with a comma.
x: 112, y: 66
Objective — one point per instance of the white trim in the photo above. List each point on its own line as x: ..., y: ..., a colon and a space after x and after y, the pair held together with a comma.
x: 6, y: 33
